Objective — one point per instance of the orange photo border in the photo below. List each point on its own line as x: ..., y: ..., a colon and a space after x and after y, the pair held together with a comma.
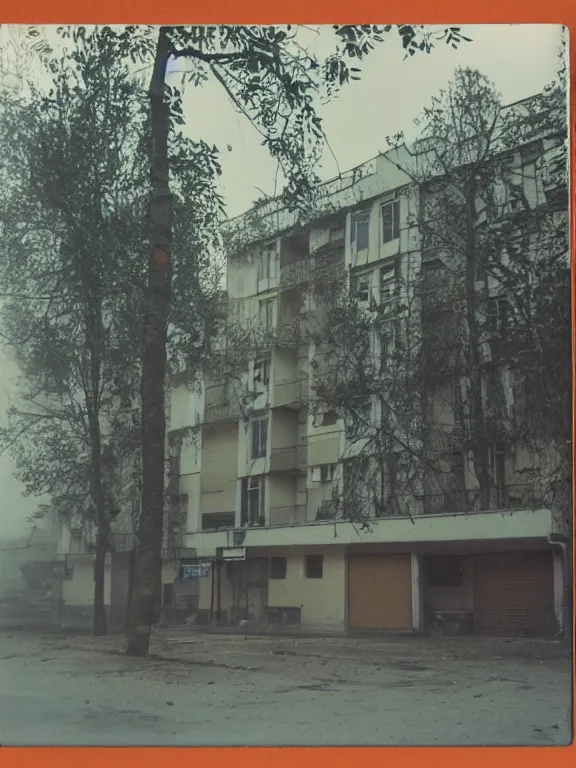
x: 300, y: 11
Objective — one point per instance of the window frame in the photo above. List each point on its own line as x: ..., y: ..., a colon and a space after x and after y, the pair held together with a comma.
x: 394, y: 227
x: 258, y: 426
x: 308, y: 561
x: 266, y: 313
x: 265, y: 365
x: 356, y: 279
x: 252, y: 486
x: 361, y: 217
x: 272, y: 574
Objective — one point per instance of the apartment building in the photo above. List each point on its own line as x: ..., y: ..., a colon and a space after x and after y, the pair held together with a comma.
x: 263, y: 464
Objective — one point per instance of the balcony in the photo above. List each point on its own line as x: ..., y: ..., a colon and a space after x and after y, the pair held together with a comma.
x: 463, y: 502
x: 292, y: 459
x: 295, y: 274
x: 221, y: 411
x: 287, y: 515
x: 291, y: 393
x: 218, y: 521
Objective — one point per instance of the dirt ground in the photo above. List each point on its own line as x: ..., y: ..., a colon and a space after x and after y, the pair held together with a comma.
x: 233, y: 690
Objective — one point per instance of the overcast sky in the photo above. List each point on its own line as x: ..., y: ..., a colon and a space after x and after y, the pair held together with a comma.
x: 519, y: 59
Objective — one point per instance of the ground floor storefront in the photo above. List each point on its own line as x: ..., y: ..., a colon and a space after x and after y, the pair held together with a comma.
x: 504, y: 589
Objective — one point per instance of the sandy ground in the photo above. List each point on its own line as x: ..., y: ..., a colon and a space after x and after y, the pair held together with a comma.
x: 231, y: 690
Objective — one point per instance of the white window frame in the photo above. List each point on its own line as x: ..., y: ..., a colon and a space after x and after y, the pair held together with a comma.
x: 254, y: 485
x: 256, y: 424
x: 360, y: 217
x: 261, y: 378
x: 356, y: 279
x: 392, y: 284
x: 394, y: 205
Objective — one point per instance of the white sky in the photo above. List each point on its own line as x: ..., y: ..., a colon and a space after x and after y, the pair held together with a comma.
x: 519, y: 59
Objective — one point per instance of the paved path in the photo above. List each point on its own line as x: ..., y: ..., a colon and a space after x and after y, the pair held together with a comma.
x: 236, y: 691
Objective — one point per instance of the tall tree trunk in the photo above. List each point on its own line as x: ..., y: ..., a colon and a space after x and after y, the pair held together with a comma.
x: 474, y: 362
x: 148, y: 563
x: 102, y: 541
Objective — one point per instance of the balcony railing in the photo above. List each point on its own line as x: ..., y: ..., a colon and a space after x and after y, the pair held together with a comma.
x: 287, y: 515
x: 222, y: 410
x: 291, y: 392
x: 218, y: 521
x: 292, y: 459
x: 294, y: 274
x: 471, y: 500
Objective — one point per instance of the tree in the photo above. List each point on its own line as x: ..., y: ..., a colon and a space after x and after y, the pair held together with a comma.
x: 470, y: 307
x: 276, y: 84
x: 73, y: 225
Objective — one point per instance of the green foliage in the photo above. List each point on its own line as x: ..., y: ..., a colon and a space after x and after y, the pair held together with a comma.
x: 73, y: 224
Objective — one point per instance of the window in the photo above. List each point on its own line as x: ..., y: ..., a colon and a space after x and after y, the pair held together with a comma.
x: 267, y: 263
x: 390, y: 220
x: 323, y: 473
x: 445, y: 571
x: 259, y: 438
x: 360, y: 230
x: 168, y: 595
x: 314, y: 566
x: 497, y: 315
x: 519, y: 395
x: 389, y: 287
x: 252, y: 501
x: 213, y: 521
x: 327, y: 472
x: 336, y: 234
x: 277, y: 567
x: 261, y: 375
x: 455, y: 481
x: 362, y: 287
x: 325, y: 418
x: 387, y: 340
x: 359, y: 418
x: 267, y: 314
x: 497, y: 458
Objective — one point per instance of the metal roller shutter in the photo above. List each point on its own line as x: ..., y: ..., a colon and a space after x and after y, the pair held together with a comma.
x: 514, y: 594
x: 380, y: 592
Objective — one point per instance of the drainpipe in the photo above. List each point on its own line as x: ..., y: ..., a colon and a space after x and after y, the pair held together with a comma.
x: 219, y: 590
x: 212, y: 592
x: 563, y: 543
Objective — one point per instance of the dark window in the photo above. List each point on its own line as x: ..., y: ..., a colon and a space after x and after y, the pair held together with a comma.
x: 261, y: 373
x: 498, y: 463
x: 329, y: 418
x: 445, y: 571
x: 361, y: 229
x: 252, y: 501
x: 168, y: 595
x: 212, y: 521
x: 259, y: 438
x: 314, y: 566
x: 390, y: 221
x: 277, y: 567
